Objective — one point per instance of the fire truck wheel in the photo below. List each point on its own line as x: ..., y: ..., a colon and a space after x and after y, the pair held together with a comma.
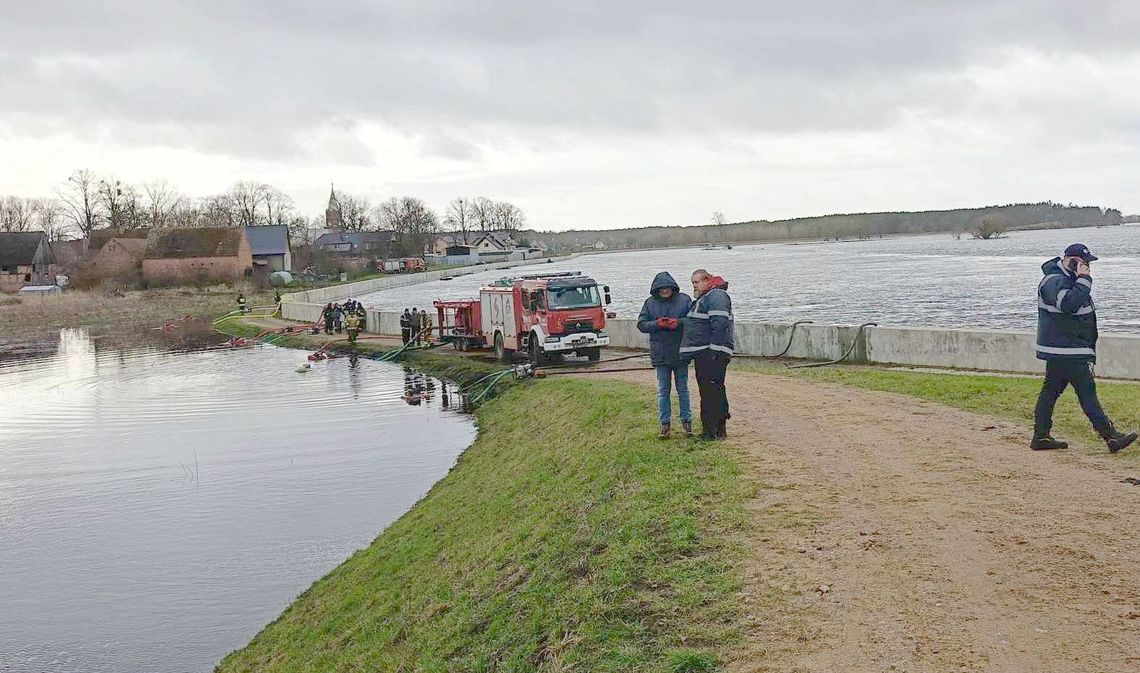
x: 594, y: 354
x: 536, y: 355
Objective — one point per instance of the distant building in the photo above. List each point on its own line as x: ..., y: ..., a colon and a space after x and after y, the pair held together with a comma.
x: 269, y: 246
x: 117, y: 258
x: 494, y: 241
x: 183, y: 256
x: 362, y: 244
x: 26, y: 258
x: 452, y: 240
x: 334, y: 217
x: 600, y: 245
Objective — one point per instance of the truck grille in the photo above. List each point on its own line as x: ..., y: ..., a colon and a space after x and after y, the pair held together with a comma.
x: 578, y: 326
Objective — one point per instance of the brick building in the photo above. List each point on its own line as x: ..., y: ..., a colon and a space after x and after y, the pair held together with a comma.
x: 186, y: 256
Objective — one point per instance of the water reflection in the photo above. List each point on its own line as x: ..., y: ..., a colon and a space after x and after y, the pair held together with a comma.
x: 157, y: 509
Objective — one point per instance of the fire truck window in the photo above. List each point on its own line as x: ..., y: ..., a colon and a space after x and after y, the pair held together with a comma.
x: 574, y: 297
x: 540, y: 301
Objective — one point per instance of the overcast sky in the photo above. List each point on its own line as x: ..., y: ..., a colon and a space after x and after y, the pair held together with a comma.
x: 585, y: 114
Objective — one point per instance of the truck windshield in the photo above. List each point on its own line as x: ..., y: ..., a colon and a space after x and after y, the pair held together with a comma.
x: 574, y: 297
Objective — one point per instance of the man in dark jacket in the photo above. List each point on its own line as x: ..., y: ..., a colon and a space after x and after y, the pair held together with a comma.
x: 661, y: 319
x: 1066, y: 341
x: 707, y: 340
x: 406, y: 326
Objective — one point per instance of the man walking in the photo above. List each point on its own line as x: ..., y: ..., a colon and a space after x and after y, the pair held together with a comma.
x: 707, y: 340
x: 660, y: 319
x: 1066, y: 341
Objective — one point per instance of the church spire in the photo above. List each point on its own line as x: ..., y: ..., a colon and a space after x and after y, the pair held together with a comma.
x: 333, y: 216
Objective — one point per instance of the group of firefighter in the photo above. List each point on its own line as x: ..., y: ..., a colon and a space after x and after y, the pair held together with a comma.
x: 347, y: 317
x: 682, y: 331
x: 415, y: 326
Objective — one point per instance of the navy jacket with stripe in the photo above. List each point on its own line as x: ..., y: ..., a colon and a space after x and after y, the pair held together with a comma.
x: 1066, y: 316
x: 708, y: 325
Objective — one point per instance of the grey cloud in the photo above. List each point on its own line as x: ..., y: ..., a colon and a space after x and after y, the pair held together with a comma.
x: 259, y: 73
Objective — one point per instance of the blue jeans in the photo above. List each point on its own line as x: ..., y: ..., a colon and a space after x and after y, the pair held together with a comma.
x: 665, y: 377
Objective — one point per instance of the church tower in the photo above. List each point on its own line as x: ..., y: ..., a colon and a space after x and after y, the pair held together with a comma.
x: 333, y: 217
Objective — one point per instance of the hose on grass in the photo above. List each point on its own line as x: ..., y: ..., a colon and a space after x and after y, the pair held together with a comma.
x: 854, y: 343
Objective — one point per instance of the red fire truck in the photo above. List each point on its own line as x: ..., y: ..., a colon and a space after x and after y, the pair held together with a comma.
x: 545, y: 315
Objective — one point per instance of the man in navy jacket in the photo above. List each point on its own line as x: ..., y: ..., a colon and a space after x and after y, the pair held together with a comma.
x: 1066, y: 341
x: 707, y: 340
x: 660, y: 318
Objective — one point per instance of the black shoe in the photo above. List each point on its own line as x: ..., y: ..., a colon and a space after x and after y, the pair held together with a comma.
x: 688, y: 426
x: 1119, y: 441
x: 1047, y: 443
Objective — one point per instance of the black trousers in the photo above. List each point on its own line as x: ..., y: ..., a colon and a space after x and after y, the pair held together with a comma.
x: 1059, y: 374
x: 711, y: 369
x: 405, y: 333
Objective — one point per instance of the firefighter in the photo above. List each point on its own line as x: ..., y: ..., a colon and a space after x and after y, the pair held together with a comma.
x: 707, y: 341
x: 241, y: 302
x: 660, y: 319
x: 425, y: 332
x: 352, y: 324
x: 406, y: 326
x: 415, y: 326
x: 1066, y: 341
x: 329, y: 318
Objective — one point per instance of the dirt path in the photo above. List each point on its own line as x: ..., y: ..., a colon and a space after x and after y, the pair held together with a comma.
x: 899, y: 535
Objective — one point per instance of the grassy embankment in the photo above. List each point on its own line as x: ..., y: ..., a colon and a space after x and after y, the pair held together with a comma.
x: 566, y: 536
x: 1010, y: 397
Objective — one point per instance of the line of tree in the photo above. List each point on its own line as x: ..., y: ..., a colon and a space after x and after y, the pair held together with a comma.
x: 849, y: 226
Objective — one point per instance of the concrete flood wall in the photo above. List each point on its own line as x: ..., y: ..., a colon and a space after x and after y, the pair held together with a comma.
x: 333, y: 293
x: 984, y: 350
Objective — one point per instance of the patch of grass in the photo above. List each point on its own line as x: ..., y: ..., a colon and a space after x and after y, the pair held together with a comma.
x: 1010, y: 397
x: 567, y: 536
x: 691, y: 661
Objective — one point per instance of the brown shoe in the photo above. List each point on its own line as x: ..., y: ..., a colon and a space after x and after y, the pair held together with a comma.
x: 664, y: 431
x: 688, y: 426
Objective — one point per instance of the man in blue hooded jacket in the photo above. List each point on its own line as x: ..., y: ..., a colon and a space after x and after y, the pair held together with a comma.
x: 660, y: 318
x: 707, y: 340
x: 1066, y: 341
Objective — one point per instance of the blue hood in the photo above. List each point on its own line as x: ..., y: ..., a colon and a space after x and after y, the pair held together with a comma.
x: 661, y: 281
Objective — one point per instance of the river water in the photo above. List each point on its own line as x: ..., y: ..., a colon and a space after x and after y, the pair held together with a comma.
x: 933, y: 280
x: 157, y: 509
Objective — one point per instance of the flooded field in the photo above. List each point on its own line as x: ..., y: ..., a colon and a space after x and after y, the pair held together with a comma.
x: 931, y: 280
x: 157, y: 508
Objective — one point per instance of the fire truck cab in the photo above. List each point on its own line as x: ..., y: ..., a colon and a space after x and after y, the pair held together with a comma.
x: 546, y: 316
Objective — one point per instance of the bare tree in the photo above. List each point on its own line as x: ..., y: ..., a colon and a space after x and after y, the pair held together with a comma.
x: 246, y: 199
x: 411, y: 221
x: 16, y: 213
x: 114, y: 202
x: 718, y: 218
x: 356, y: 213
x: 989, y: 227
x: 458, y: 218
x: 49, y: 218
x: 301, y: 229
x: 279, y: 206
x: 483, y: 213
x: 507, y: 217
x: 79, y: 197
x: 162, y: 202
x: 219, y: 210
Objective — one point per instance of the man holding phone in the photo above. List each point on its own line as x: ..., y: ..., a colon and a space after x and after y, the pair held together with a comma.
x: 1066, y: 341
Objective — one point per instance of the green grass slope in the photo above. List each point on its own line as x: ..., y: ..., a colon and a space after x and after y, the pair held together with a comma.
x: 567, y: 536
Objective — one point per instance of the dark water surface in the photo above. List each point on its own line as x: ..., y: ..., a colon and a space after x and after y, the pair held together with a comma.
x: 157, y: 509
x: 932, y: 280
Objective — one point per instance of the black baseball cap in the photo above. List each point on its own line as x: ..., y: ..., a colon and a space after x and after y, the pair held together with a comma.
x: 1082, y: 251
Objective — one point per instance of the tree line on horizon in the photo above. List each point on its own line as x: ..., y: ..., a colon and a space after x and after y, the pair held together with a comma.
x: 982, y: 222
